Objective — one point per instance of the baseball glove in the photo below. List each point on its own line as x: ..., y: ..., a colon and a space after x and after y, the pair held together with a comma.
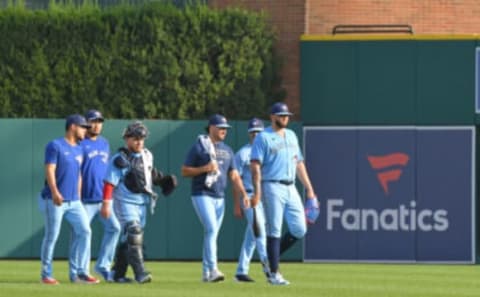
x: 312, y: 210
x: 168, y: 183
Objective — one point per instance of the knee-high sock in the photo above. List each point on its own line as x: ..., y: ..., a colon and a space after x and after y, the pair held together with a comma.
x: 273, y: 251
x: 288, y: 240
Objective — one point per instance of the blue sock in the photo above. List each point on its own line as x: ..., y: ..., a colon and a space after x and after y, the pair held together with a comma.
x: 288, y: 240
x: 273, y: 251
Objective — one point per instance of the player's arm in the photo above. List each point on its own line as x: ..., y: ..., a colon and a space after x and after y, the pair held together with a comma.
x: 239, y: 193
x: 256, y: 181
x: 80, y: 183
x: 111, y: 179
x: 107, y: 199
x: 189, y: 171
x: 57, y: 197
x: 305, y: 180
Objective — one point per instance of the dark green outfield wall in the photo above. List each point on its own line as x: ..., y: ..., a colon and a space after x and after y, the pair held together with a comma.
x: 388, y: 82
x: 173, y: 232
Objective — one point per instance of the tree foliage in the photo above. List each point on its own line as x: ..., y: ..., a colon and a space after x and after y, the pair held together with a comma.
x: 149, y: 61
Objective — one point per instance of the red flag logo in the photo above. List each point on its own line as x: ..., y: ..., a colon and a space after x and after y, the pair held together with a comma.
x: 389, y: 167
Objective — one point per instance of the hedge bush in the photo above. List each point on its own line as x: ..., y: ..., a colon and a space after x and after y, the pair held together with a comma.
x: 149, y: 61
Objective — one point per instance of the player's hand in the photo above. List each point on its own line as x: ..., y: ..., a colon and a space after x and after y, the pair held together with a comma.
x: 106, y: 208
x: 237, y: 211
x: 246, y: 202
x: 57, y: 199
x: 211, y: 167
x: 255, y: 200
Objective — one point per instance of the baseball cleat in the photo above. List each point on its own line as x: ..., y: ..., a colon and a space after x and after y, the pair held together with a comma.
x: 85, y: 279
x: 277, y: 279
x: 216, y: 276
x: 49, y: 281
x: 243, y: 278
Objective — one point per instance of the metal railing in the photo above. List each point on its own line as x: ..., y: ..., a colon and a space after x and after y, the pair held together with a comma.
x: 372, y: 28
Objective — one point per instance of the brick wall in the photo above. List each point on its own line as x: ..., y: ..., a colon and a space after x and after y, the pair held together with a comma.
x: 292, y: 18
x: 425, y: 16
x: 288, y: 20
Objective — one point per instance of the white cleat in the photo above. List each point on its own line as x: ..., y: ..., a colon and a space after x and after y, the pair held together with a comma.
x: 216, y: 276
x: 206, y: 276
x: 277, y: 279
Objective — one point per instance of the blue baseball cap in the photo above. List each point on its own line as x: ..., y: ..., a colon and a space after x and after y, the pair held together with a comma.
x: 94, y: 115
x: 255, y: 125
x: 218, y: 121
x: 280, y: 108
x: 76, y: 119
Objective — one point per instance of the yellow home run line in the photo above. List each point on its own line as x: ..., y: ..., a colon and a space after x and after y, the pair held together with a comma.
x: 386, y: 37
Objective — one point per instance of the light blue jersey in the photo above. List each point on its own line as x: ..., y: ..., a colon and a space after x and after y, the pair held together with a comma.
x: 250, y: 241
x: 115, y: 176
x: 242, y: 164
x: 278, y: 155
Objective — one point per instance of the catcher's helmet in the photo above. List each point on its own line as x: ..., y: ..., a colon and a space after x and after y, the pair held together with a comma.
x: 136, y: 129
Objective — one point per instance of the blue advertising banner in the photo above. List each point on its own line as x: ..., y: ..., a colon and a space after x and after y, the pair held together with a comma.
x: 392, y: 194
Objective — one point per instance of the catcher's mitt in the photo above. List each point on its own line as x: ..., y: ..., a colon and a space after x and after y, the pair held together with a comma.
x: 168, y: 183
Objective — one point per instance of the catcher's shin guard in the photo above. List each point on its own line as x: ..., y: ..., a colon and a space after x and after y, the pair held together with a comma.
x: 121, y: 261
x: 135, y: 252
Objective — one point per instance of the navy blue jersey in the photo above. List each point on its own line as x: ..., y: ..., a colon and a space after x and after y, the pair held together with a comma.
x: 198, y: 156
x: 95, y: 161
x: 68, y: 159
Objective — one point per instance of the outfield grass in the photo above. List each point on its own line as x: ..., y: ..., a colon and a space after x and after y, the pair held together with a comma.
x: 21, y: 278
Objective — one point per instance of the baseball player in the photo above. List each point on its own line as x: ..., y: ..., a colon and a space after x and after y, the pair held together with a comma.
x: 255, y: 235
x: 209, y: 162
x: 60, y: 198
x: 96, y: 153
x: 275, y: 161
x: 129, y: 180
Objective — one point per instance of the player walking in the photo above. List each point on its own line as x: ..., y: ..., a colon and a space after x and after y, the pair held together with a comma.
x: 275, y: 161
x: 60, y: 198
x: 209, y: 162
x: 129, y: 180
x: 255, y: 235
x: 96, y: 153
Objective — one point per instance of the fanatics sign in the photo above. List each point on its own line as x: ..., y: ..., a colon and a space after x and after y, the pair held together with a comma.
x: 392, y: 194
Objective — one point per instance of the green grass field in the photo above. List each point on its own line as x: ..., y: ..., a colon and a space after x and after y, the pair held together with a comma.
x: 21, y: 278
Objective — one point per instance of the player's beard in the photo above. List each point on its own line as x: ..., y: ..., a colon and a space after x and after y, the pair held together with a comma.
x: 91, y: 133
x: 280, y: 125
x: 79, y: 136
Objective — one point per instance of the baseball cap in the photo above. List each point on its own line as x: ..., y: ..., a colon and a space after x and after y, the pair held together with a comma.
x: 218, y: 121
x: 93, y: 115
x: 76, y: 119
x: 280, y: 108
x: 136, y: 129
x: 255, y: 125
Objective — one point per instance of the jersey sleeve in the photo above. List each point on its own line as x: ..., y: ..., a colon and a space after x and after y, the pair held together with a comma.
x: 258, y: 148
x: 232, y: 165
x: 113, y: 175
x: 190, y: 160
x: 238, y: 162
x: 51, y: 153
